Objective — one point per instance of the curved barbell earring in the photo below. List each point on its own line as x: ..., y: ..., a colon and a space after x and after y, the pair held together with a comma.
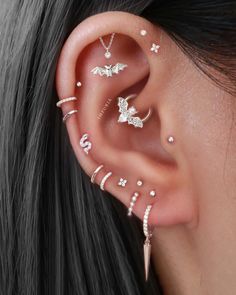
x: 127, y: 113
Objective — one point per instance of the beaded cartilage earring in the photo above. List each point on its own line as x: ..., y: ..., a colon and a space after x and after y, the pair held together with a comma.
x: 147, y: 244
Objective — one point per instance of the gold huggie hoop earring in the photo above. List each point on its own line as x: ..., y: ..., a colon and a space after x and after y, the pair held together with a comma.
x: 95, y: 173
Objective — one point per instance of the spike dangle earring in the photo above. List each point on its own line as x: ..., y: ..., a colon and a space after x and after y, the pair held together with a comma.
x: 147, y: 244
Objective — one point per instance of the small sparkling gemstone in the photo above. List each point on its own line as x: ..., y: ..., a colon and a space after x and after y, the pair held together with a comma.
x: 79, y: 84
x: 139, y: 183
x: 152, y: 194
x: 107, y: 55
x: 170, y: 139
x: 143, y: 32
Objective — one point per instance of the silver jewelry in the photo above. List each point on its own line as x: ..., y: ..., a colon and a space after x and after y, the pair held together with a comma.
x: 152, y: 193
x: 104, y: 180
x: 155, y: 48
x: 127, y: 113
x: 132, y: 203
x: 122, y: 182
x: 143, y: 33
x: 107, y: 48
x: 139, y: 183
x: 68, y: 115
x: 60, y: 102
x: 147, y: 244
x: 95, y: 173
x: 85, y: 144
x: 109, y: 70
x: 78, y: 84
x: 170, y: 139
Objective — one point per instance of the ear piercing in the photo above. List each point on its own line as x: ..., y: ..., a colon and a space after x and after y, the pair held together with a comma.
x: 152, y: 193
x: 68, y: 115
x: 107, y: 48
x: 78, y: 84
x: 127, y: 114
x: 155, y: 48
x: 143, y: 33
x: 109, y: 70
x: 95, y: 173
x: 139, y: 183
x: 64, y: 100
x: 147, y: 244
x: 104, y: 180
x: 122, y: 182
x: 170, y: 139
x: 85, y: 144
x: 132, y: 203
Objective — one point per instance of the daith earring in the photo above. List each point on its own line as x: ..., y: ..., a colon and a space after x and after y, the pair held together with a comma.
x: 127, y: 114
x: 85, y: 143
x: 147, y: 244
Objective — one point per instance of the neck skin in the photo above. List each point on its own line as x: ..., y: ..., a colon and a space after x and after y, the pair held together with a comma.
x: 197, y: 261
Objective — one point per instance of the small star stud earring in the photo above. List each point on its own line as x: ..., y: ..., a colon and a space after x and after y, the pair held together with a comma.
x: 122, y: 182
x: 155, y: 47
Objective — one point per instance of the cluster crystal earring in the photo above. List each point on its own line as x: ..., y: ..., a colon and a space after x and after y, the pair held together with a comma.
x: 85, y: 143
x: 127, y: 113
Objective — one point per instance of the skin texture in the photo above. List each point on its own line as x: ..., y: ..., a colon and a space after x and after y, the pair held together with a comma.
x: 194, y: 210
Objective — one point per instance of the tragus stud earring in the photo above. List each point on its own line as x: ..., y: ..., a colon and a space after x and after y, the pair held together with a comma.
x: 147, y: 244
x: 132, y: 203
x: 127, y: 114
x: 122, y: 182
x: 85, y: 143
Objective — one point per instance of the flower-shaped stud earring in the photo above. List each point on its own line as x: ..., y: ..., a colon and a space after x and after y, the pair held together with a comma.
x: 122, y: 182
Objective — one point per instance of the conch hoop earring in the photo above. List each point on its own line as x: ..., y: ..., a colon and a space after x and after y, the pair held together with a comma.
x: 127, y: 113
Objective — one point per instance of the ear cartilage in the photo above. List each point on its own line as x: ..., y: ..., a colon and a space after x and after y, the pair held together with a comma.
x: 122, y: 182
x: 104, y: 180
x: 170, y: 139
x: 152, y: 193
x: 147, y: 244
x: 78, y: 84
x: 85, y: 143
x: 127, y: 113
x: 107, y: 48
x: 109, y: 70
x: 95, y: 173
x: 143, y: 33
x: 132, y: 203
x: 139, y: 182
x: 68, y: 115
x: 155, y: 48
x: 64, y: 100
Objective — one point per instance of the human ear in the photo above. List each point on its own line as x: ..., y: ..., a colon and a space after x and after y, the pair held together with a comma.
x: 128, y: 152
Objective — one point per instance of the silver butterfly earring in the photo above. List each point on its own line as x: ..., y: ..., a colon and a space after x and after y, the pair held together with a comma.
x: 127, y: 113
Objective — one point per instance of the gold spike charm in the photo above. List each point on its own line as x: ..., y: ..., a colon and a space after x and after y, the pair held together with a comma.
x: 147, y: 244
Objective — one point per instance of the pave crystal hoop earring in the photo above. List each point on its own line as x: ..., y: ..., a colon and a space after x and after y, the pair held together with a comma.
x: 64, y: 100
x: 104, y: 180
x: 127, y: 113
x: 132, y: 203
x: 68, y: 115
x: 95, y: 173
x: 147, y: 244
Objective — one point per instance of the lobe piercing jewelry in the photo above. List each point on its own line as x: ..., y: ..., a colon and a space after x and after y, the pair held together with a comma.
x: 95, y: 173
x: 85, y: 144
x: 64, y: 100
x: 122, y: 182
x: 152, y: 193
x: 139, y: 183
x: 143, y: 33
x: 147, y: 244
x: 108, y: 71
x: 155, y: 47
x: 104, y: 180
x: 78, y: 84
x: 132, y: 203
x: 68, y: 115
x: 127, y: 113
x: 107, y: 48
x: 170, y: 139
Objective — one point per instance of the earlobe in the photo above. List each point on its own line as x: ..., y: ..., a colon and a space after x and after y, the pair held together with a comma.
x: 119, y: 139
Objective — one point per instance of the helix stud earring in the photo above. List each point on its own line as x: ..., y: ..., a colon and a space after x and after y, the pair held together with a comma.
x: 127, y: 113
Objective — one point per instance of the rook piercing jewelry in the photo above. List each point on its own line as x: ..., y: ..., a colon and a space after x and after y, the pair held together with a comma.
x: 68, y: 115
x: 122, y: 182
x: 127, y: 113
x: 139, y: 183
x: 104, y: 180
x: 132, y: 203
x: 147, y: 244
x: 60, y: 102
x: 95, y: 173
x: 155, y: 48
x: 170, y: 139
x: 152, y: 193
x: 143, y: 32
x: 78, y: 84
x: 107, y: 48
x: 108, y: 71
x: 85, y: 144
